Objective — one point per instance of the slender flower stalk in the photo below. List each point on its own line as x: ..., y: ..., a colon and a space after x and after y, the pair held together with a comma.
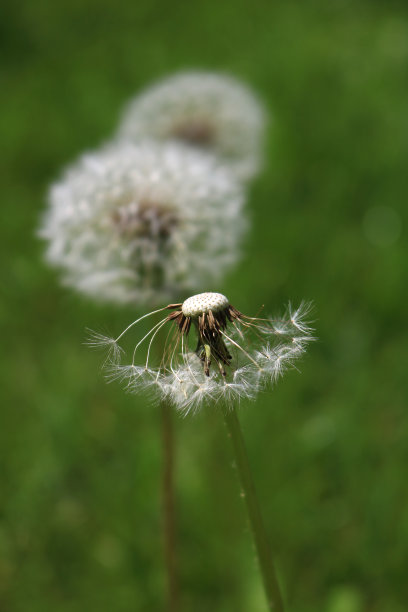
x: 169, y: 527
x: 264, y: 554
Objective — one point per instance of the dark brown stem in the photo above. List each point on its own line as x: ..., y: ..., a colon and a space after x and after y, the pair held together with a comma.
x: 169, y: 522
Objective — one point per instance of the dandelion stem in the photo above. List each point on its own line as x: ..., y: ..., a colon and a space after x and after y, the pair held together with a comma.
x: 169, y: 523
x: 263, y: 550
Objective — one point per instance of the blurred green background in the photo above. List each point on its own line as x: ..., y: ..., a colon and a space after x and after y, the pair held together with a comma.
x: 80, y: 516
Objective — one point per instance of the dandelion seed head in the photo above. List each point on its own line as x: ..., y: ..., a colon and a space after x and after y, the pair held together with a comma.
x: 204, y: 110
x: 130, y: 223
x: 235, y: 356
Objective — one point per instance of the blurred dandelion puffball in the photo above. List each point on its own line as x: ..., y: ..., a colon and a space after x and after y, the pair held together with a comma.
x: 205, y: 110
x: 234, y: 355
x: 138, y: 223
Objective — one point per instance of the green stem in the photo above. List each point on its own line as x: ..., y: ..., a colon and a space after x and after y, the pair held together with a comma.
x: 169, y: 522
x: 168, y: 503
x: 263, y: 550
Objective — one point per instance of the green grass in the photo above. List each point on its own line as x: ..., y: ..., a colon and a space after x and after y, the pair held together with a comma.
x: 80, y: 512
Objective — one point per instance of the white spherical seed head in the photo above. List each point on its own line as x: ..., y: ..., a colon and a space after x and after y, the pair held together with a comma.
x: 205, y: 110
x: 134, y: 223
x: 202, y: 303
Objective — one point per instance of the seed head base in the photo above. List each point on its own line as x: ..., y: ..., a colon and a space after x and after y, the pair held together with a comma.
x: 210, y: 313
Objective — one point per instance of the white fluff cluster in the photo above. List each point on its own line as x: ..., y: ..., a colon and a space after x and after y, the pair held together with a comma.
x: 202, y: 109
x: 261, y: 351
x: 138, y: 222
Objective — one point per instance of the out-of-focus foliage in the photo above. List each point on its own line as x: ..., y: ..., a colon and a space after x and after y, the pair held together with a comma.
x: 80, y: 509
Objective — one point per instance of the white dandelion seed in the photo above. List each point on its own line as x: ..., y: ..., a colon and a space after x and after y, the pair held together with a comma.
x: 97, y: 340
x: 130, y: 223
x: 205, y: 110
x: 234, y: 355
